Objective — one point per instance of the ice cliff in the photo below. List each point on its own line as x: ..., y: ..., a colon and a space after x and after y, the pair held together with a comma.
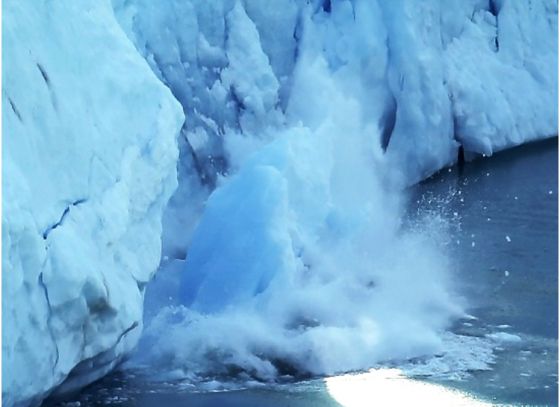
x: 304, y: 119
x: 89, y: 163
x: 434, y: 74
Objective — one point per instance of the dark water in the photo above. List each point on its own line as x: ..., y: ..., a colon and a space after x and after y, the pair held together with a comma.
x: 121, y: 389
x: 503, y: 213
x: 509, y: 210
x: 506, y: 250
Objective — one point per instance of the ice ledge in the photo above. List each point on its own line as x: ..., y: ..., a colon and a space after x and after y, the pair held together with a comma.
x: 90, y: 153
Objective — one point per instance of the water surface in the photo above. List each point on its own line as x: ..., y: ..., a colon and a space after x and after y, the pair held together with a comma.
x: 503, y: 217
x: 504, y: 247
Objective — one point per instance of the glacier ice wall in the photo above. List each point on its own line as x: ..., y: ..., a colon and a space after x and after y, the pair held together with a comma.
x: 306, y: 119
x: 436, y: 74
x: 89, y: 163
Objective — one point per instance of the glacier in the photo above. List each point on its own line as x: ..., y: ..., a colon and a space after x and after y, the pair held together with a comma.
x: 261, y: 152
x: 89, y: 163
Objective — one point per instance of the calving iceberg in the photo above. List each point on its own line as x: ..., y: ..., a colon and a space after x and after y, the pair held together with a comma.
x: 90, y: 151
x: 283, y: 245
x: 299, y: 264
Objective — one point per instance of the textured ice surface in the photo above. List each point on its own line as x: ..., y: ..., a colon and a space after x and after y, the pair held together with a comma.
x: 431, y: 75
x: 89, y: 162
x: 304, y: 121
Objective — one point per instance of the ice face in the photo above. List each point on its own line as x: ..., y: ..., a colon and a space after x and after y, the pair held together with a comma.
x: 89, y: 140
x: 304, y: 122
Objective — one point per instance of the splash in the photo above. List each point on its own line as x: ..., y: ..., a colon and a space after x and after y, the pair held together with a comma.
x: 301, y: 264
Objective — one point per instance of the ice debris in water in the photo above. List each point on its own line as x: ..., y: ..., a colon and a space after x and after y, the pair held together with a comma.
x: 462, y: 355
x: 504, y: 337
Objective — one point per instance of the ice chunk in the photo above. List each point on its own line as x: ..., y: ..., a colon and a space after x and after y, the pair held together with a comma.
x: 504, y: 337
x: 89, y: 162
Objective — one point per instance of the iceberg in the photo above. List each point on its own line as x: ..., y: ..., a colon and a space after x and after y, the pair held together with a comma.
x: 89, y: 163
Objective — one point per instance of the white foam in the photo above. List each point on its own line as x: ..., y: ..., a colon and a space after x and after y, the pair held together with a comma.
x: 301, y: 262
x: 504, y: 337
x: 461, y: 356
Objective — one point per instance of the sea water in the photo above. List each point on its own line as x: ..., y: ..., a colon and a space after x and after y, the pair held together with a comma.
x: 502, y: 213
